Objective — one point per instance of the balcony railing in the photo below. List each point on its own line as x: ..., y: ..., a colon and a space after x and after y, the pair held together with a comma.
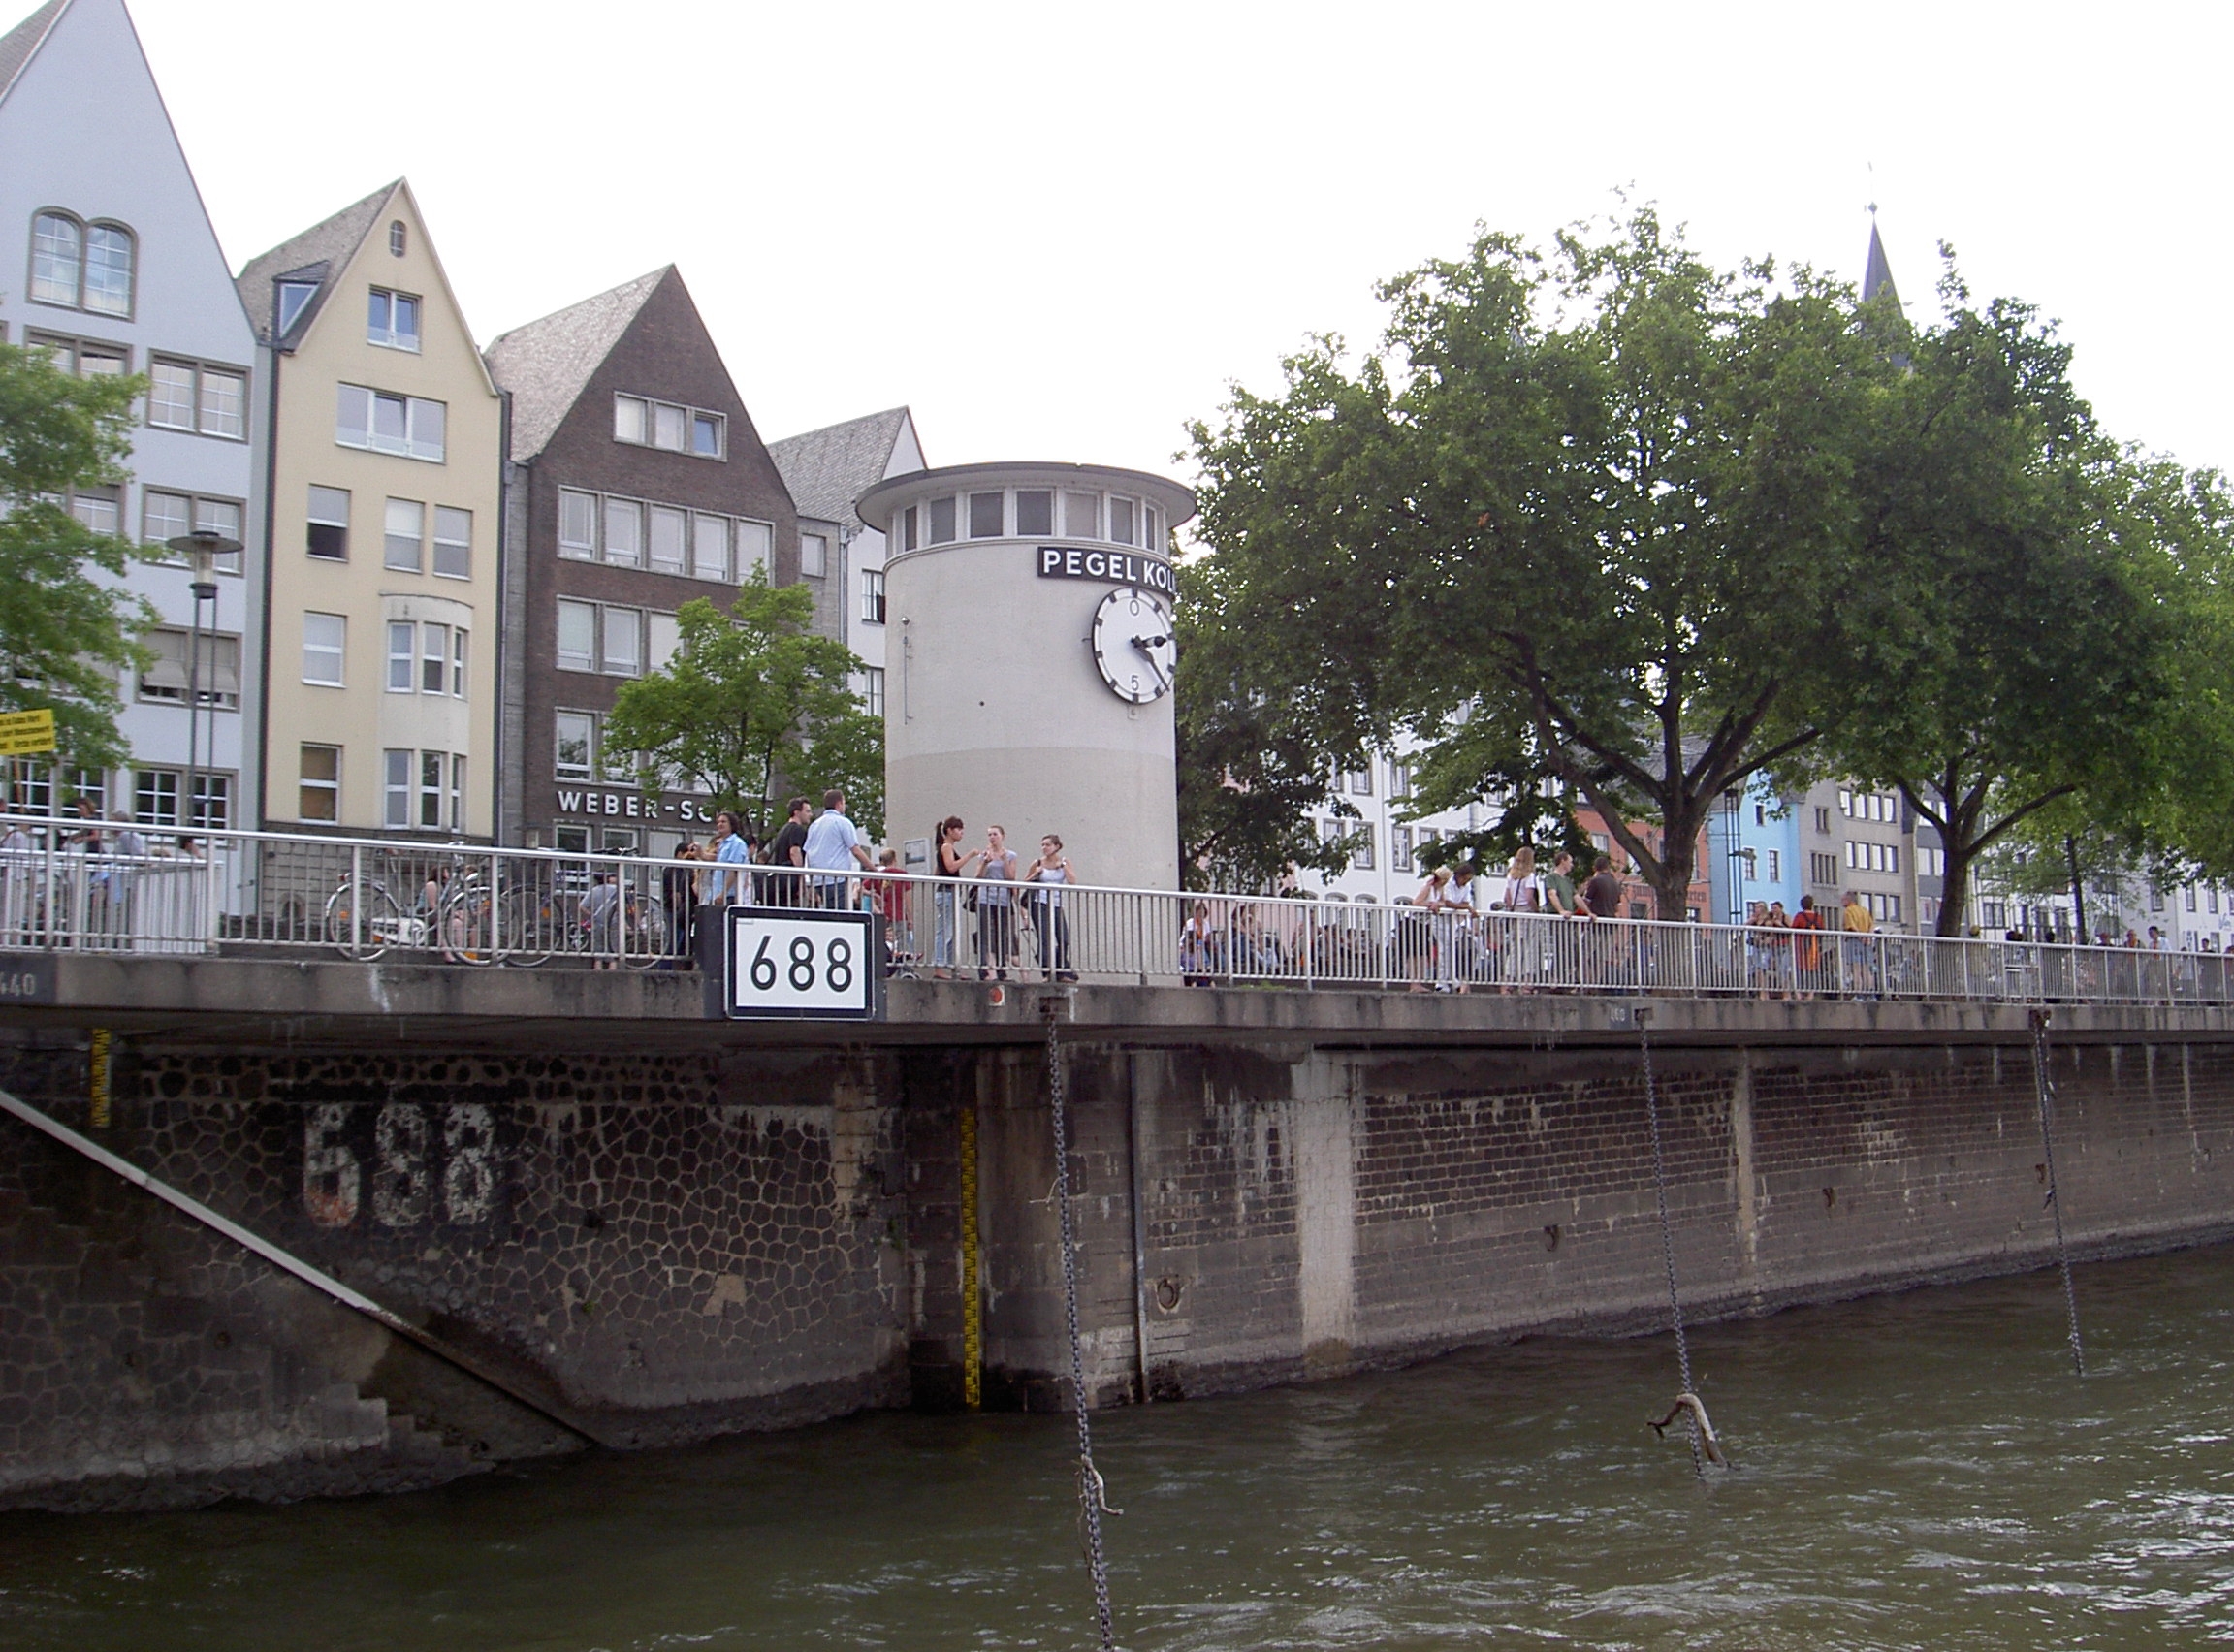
x: 94, y: 886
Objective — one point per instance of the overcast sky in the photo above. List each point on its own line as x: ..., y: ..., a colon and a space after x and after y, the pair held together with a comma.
x: 1060, y: 231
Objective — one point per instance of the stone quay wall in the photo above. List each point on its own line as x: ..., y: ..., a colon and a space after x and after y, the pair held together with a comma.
x: 673, y: 1235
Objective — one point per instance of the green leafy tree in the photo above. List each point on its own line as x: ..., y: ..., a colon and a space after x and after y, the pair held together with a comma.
x: 2030, y: 586
x: 753, y: 702
x: 65, y: 633
x: 1585, y: 519
x: 1252, y: 772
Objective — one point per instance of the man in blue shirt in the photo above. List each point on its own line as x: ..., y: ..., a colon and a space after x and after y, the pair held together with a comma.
x: 729, y: 888
x: 834, y: 845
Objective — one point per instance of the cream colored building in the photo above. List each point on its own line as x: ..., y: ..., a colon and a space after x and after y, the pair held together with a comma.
x: 382, y: 436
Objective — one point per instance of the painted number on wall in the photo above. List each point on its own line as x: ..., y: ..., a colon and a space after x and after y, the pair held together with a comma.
x: 418, y: 1174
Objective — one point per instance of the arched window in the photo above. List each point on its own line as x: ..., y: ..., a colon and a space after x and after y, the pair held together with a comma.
x: 57, y: 258
x: 88, y: 266
x: 396, y: 242
x: 108, y: 258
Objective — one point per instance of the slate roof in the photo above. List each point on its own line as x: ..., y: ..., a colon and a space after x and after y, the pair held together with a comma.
x: 546, y: 364
x: 828, y: 469
x: 331, y: 243
x: 19, y: 44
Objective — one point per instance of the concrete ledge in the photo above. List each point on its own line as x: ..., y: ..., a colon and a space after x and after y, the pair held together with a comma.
x: 224, y: 999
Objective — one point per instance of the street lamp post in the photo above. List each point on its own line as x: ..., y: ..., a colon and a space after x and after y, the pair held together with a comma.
x: 202, y: 548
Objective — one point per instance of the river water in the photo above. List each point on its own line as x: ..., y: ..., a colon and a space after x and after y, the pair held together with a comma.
x: 1913, y: 1471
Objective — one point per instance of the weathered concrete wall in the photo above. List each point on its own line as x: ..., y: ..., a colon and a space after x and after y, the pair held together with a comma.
x: 684, y: 1238
x: 1346, y: 1209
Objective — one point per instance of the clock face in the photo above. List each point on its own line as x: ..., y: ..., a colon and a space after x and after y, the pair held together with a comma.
x: 1133, y: 645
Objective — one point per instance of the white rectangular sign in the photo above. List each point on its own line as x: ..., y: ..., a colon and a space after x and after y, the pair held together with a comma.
x: 800, y: 962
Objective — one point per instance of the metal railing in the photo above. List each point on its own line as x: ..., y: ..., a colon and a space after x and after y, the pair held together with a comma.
x: 92, y: 886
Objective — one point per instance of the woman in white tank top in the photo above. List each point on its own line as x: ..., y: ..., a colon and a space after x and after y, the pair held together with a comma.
x: 1046, y: 876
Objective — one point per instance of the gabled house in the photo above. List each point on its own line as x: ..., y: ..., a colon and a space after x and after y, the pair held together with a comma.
x: 383, y: 441
x: 827, y: 470
x: 111, y: 266
x: 635, y: 483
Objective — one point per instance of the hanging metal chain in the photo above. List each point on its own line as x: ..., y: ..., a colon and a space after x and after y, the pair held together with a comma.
x: 1091, y: 1493
x: 1667, y: 1233
x: 2044, y: 1081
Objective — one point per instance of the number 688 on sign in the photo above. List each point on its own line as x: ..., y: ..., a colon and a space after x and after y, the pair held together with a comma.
x: 803, y: 962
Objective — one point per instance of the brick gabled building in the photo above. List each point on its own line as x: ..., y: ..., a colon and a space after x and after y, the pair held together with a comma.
x: 635, y: 482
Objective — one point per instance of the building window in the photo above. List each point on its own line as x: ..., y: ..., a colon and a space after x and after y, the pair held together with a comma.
x: 453, y: 543
x: 392, y: 320
x: 1361, y: 851
x: 986, y: 513
x: 460, y: 652
x: 910, y: 525
x: 397, y: 239
x: 574, y: 745
x: 1121, y: 520
x: 320, y: 796
x: 1081, y: 516
x: 174, y: 673
x: 396, y: 790
x: 189, y: 395
x: 98, y: 510
x: 941, y: 525
x: 577, y: 636
x: 1823, y: 820
x: 577, y: 525
x: 164, y: 515
x: 294, y: 298
x: 1399, y: 848
x: 1823, y: 870
x: 601, y: 638
x: 156, y: 797
x: 1358, y: 782
x: 427, y: 659
x: 623, y: 533
x: 58, y: 259
x: 813, y: 555
x: 2155, y: 899
x: 327, y: 536
x: 1035, y: 513
x: 669, y: 538
x: 80, y: 358
x: 406, y: 526
x: 433, y: 658
x: 324, y: 636
x: 458, y: 792
x: 386, y: 423
x: 430, y: 788
x: 86, y: 267
x: 872, y: 596
x: 755, y: 540
x: 644, y: 422
x: 662, y: 639
x: 709, y: 546
x: 402, y: 649
x: 622, y: 636
x: 1775, y: 866
x: 871, y: 690
x: 1151, y: 527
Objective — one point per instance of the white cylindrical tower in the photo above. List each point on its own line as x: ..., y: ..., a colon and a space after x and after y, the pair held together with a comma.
x: 1029, y: 660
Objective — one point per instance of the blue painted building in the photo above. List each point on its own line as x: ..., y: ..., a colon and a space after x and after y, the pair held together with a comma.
x: 1753, y: 853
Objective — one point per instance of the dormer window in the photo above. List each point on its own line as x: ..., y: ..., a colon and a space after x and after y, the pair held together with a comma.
x: 397, y: 241
x: 293, y: 297
x: 392, y: 320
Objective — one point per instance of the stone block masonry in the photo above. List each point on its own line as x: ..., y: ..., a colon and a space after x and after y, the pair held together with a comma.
x: 762, y: 1227
x: 1357, y: 1209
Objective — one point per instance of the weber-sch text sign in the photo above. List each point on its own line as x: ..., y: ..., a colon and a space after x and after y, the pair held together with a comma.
x: 798, y: 962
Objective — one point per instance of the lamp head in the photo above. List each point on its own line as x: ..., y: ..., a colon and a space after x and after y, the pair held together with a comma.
x: 202, y: 548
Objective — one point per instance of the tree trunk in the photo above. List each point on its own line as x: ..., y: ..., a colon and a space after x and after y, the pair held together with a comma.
x: 1954, y: 886
x: 1671, y: 886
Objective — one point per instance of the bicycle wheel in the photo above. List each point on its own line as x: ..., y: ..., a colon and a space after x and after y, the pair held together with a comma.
x: 362, y: 923
x: 648, y: 935
x: 530, y: 927
x: 462, y: 929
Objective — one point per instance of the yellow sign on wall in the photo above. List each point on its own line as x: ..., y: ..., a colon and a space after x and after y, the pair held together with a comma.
x: 24, y: 733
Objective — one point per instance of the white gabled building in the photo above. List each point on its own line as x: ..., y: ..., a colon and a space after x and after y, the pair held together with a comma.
x: 108, y: 260
x: 827, y: 470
